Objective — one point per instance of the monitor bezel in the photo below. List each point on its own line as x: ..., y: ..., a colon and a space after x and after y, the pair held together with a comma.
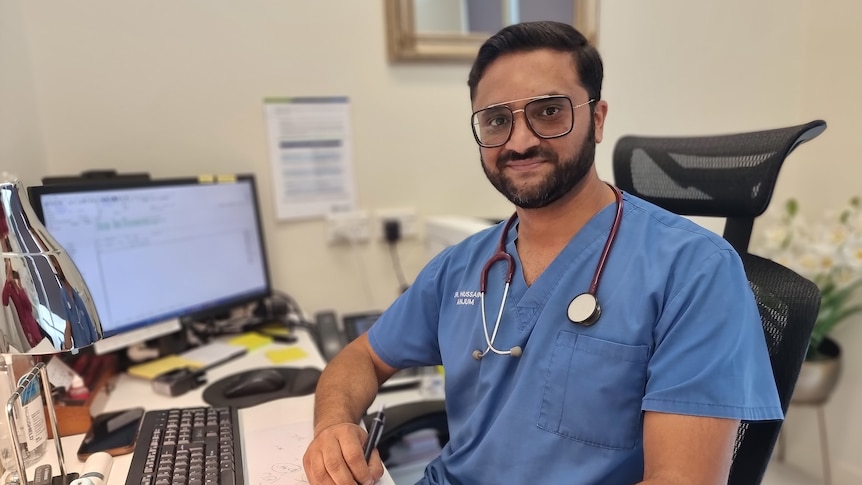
x: 36, y: 193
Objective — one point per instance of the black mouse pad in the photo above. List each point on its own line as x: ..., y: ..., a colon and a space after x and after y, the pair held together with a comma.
x: 299, y: 381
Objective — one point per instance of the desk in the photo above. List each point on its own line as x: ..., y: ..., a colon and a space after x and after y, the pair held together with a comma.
x: 131, y: 391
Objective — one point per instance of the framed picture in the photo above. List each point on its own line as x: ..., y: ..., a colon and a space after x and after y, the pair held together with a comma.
x: 453, y: 30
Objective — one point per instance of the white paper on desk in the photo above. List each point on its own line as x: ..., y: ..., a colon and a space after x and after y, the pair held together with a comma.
x: 274, y: 455
x: 60, y: 374
x: 311, y: 156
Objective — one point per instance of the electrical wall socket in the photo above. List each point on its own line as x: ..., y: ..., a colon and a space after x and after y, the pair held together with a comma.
x: 406, y: 218
x: 348, y: 227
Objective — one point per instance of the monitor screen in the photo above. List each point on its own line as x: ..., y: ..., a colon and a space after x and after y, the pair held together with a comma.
x: 152, y: 252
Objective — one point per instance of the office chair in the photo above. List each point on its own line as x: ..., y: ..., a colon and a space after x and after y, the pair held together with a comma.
x: 733, y: 176
x: 404, y: 419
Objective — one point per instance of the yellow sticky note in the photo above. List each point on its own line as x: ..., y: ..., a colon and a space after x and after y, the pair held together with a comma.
x: 149, y: 370
x: 285, y: 355
x: 251, y: 340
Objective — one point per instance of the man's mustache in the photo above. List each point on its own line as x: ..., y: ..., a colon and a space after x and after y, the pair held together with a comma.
x: 532, y: 152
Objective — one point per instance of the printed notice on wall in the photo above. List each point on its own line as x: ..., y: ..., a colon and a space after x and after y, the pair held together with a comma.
x: 311, y: 156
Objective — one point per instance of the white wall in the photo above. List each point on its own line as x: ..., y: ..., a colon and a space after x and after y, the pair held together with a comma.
x: 20, y: 142
x: 829, y: 174
x: 175, y: 88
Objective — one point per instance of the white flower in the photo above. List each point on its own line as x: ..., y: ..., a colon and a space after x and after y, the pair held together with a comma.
x: 827, y: 251
x: 853, y: 256
x: 775, y: 237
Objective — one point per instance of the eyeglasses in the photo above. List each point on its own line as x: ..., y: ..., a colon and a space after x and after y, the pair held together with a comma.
x: 550, y: 116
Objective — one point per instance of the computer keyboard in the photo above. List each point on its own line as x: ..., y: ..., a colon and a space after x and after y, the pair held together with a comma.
x: 194, y: 446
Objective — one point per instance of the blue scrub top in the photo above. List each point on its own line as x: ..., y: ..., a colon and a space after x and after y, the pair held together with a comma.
x: 679, y: 333
x: 78, y: 317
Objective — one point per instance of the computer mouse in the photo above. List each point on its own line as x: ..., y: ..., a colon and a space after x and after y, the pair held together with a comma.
x: 258, y: 381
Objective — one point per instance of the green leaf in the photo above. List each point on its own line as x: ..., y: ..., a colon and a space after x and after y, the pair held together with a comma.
x: 792, y: 207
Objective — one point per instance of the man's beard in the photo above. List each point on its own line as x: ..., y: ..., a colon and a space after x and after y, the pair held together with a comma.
x: 565, y: 176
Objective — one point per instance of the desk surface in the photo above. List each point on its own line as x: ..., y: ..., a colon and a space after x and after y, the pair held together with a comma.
x: 131, y: 391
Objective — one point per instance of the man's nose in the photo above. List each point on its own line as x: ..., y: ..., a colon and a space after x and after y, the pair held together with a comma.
x: 522, y: 136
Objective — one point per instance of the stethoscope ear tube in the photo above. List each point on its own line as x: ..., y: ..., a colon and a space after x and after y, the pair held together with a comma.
x: 515, y: 351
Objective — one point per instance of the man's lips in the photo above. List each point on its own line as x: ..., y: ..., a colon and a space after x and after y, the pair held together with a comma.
x: 521, y: 165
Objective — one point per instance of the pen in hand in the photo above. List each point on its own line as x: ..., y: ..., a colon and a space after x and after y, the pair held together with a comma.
x: 375, y: 433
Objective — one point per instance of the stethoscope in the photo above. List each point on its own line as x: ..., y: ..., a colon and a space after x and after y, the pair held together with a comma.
x: 583, y: 310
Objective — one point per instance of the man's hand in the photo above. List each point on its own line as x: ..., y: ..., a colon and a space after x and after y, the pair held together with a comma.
x: 336, y: 456
x: 345, y: 390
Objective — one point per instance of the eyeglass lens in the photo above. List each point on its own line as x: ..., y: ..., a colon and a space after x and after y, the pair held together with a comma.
x: 549, y: 117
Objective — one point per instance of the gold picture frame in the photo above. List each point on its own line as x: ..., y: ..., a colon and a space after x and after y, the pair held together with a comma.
x: 406, y: 44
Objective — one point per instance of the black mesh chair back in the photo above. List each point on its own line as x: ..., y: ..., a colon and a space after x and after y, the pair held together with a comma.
x: 733, y: 176
x: 730, y: 176
x: 788, y: 305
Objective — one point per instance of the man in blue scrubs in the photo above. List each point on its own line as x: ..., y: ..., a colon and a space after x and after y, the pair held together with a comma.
x: 652, y: 392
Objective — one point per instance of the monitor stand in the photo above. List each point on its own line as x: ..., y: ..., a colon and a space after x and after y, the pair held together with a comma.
x: 143, y: 334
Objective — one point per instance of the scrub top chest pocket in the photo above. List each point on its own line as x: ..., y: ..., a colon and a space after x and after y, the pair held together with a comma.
x: 593, y: 391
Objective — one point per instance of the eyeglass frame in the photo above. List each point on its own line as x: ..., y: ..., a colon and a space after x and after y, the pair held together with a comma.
x: 529, y: 124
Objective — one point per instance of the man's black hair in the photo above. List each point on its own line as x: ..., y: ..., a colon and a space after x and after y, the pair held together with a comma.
x: 529, y: 36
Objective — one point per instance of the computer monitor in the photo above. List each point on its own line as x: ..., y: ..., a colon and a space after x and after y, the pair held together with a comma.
x: 154, y: 251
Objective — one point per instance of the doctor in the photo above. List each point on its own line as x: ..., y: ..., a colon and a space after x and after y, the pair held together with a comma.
x: 592, y: 339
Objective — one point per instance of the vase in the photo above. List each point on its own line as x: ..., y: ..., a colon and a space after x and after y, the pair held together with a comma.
x: 818, y: 377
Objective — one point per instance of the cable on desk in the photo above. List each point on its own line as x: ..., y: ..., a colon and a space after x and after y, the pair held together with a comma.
x: 279, y: 307
x: 294, y: 314
x: 396, y: 265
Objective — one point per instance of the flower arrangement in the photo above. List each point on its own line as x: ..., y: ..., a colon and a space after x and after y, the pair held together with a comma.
x: 827, y: 251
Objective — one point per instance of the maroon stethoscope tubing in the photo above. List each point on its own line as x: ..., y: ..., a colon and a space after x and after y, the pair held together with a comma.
x: 500, y: 255
x: 584, y: 309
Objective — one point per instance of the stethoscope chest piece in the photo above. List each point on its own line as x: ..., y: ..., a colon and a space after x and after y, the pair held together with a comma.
x: 584, y: 309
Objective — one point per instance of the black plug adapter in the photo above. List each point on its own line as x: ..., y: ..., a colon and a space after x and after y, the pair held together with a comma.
x: 392, y: 230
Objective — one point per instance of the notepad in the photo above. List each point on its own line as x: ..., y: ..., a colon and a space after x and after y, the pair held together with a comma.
x: 149, y: 370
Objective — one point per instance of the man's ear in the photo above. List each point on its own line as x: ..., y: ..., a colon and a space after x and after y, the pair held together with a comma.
x: 599, y: 115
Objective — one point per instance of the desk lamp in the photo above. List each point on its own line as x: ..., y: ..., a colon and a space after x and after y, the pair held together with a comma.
x: 47, y: 309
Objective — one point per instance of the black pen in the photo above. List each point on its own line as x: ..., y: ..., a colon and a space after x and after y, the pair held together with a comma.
x: 375, y: 433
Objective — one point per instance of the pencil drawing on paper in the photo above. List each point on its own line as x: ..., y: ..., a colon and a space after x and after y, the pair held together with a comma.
x: 290, y: 472
x: 274, y: 455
